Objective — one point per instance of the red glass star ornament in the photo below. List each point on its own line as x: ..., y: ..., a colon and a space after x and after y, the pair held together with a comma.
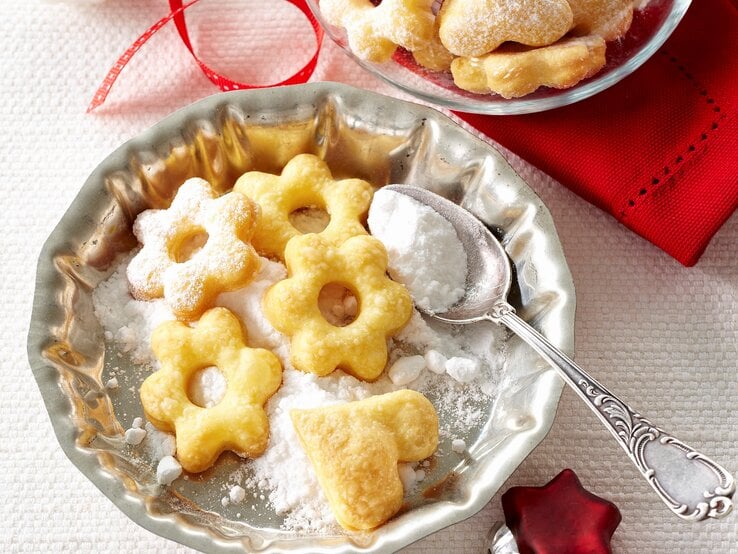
x: 561, y: 517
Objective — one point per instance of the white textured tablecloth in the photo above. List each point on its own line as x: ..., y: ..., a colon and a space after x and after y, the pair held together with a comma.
x: 662, y: 335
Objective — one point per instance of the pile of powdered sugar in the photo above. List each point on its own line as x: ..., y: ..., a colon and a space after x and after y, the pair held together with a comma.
x: 128, y: 322
x: 425, y: 254
x: 456, y: 368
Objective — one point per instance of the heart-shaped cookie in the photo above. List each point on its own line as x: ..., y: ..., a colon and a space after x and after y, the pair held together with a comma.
x: 355, y: 448
x: 475, y: 27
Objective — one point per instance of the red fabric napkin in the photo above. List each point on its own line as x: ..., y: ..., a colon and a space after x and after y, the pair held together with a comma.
x: 659, y: 150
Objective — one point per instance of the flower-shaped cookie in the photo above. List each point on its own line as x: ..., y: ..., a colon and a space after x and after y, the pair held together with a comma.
x: 476, y: 27
x: 609, y: 19
x: 238, y: 422
x: 517, y: 71
x: 355, y: 448
x: 375, y: 31
x: 170, y: 265
x: 360, y: 265
x: 434, y: 54
x: 305, y: 182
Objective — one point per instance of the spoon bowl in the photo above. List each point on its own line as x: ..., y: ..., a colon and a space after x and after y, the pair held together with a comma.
x: 488, y: 276
x: 692, y: 485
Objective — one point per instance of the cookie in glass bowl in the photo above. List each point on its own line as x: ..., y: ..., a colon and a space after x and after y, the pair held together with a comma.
x: 494, y: 72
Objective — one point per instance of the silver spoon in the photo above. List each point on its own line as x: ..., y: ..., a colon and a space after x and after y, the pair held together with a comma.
x: 690, y: 484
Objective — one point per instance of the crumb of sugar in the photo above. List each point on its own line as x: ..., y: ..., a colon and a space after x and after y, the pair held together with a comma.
x: 407, y: 476
x: 137, y: 422
x: 435, y: 362
x: 350, y: 306
x: 464, y: 370
x: 236, y: 494
x: 425, y: 253
x: 337, y: 304
x: 420, y: 475
x: 167, y: 470
x: 112, y: 384
x: 159, y: 444
x: 406, y: 369
x: 458, y: 445
x: 134, y: 436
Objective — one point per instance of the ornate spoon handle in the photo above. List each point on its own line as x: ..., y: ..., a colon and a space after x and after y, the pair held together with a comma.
x: 690, y: 484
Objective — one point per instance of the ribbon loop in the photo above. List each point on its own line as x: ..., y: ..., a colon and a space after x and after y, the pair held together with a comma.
x: 221, y: 81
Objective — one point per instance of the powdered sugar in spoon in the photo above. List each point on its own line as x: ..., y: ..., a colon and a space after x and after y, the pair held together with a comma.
x: 693, y: 486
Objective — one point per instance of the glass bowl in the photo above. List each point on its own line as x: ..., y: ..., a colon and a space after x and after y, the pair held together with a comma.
x: 652, y: 25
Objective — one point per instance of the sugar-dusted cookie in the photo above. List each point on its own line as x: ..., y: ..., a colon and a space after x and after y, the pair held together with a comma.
x: 516, y: 71
x: 374, y: 32
x: 238, y: 421
x: 434, y: 55
x: 194, y: 250
x: 317, y: 346
x: 473, y: 28
x: 609, y: 19
x: 355, y: 448
x: 306, y: 182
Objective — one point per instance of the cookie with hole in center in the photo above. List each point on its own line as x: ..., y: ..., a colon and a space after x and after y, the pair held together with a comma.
x: 472, y: 28
x: 194, y: 250
x: 292, y: 306
x: 306, y: 182
x: 513, y: 71
x: 238, y: 421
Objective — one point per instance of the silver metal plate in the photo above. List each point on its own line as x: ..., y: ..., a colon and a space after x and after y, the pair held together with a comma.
x: 359, y: 134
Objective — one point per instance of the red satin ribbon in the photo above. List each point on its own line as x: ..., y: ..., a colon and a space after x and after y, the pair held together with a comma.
x: 221, y: 81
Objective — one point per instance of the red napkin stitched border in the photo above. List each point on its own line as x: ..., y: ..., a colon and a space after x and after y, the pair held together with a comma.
x: 659, y: 150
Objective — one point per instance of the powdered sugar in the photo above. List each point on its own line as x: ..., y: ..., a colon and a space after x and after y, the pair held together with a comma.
x: 458, y: 446
x: 129, y: 322
x: 207, y: 387
x: 134, y: 436
x: 463, y: 370
x: 159, y: 444
x: 425, y: 254
x: 246, y: 304
x: 406, y: 369
x: 167, y: 470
